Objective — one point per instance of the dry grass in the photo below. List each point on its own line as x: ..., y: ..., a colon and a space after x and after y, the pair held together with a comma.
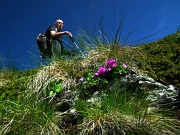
x: 117, y: 124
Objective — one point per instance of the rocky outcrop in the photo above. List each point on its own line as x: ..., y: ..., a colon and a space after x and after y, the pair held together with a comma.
x: 160, y: 95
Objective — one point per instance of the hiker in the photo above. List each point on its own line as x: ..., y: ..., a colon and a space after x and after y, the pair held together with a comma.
x: 54, y: 39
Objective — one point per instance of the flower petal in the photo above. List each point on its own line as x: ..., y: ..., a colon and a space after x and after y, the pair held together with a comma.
x: 124, y: 65
x: 82, y: 79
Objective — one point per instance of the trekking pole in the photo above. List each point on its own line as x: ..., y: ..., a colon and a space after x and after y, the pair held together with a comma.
x: 72, y: 39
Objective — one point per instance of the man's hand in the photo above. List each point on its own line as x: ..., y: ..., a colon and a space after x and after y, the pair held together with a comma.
x: 68, y: 33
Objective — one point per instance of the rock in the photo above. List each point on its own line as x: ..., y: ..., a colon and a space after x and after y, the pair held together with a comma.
x: 159, y: 93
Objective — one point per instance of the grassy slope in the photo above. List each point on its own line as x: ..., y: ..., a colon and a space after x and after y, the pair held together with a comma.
x: 161, y: 59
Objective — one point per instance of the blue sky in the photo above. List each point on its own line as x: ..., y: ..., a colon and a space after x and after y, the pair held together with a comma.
x: 22, y: 20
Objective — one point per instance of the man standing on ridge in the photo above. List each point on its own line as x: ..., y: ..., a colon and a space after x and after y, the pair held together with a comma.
x: 54, y: 39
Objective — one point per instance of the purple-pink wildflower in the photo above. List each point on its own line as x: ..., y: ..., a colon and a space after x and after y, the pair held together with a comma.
x: 124, y: 65
x: 101, y: 71
x: 82, y: 79
x: 111, y: 63
x: 92, y: 75
x: 109, y: 68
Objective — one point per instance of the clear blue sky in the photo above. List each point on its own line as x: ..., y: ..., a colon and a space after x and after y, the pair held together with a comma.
x: 22, y: 20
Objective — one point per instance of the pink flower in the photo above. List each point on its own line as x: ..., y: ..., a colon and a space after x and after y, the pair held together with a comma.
x: 82, y: 79
x: 111, y: 63
x: 109, y: 69
x: 92, y: 75
x: 101, y: 71
x: 124, y: 65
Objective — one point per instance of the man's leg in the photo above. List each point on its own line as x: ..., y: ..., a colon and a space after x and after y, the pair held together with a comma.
x: 56, y: 49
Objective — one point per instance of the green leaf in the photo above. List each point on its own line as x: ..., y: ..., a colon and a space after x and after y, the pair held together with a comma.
x: 59, y: 89
x: 51, y: 93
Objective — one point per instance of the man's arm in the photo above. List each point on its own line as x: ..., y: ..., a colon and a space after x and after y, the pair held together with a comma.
x: 60, y: 34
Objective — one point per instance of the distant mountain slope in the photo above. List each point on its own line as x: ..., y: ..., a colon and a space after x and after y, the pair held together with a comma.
x: 161, y: 59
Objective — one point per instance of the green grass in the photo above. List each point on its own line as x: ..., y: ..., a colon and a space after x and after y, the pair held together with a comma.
x: 14, y: 83
x: 28, y: 115
x: 119, y: 112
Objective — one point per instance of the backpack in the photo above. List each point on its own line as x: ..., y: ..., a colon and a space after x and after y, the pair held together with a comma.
x: 42, y: 43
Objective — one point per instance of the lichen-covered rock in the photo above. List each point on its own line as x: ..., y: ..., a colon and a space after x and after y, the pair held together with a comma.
x: 160, y: 94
